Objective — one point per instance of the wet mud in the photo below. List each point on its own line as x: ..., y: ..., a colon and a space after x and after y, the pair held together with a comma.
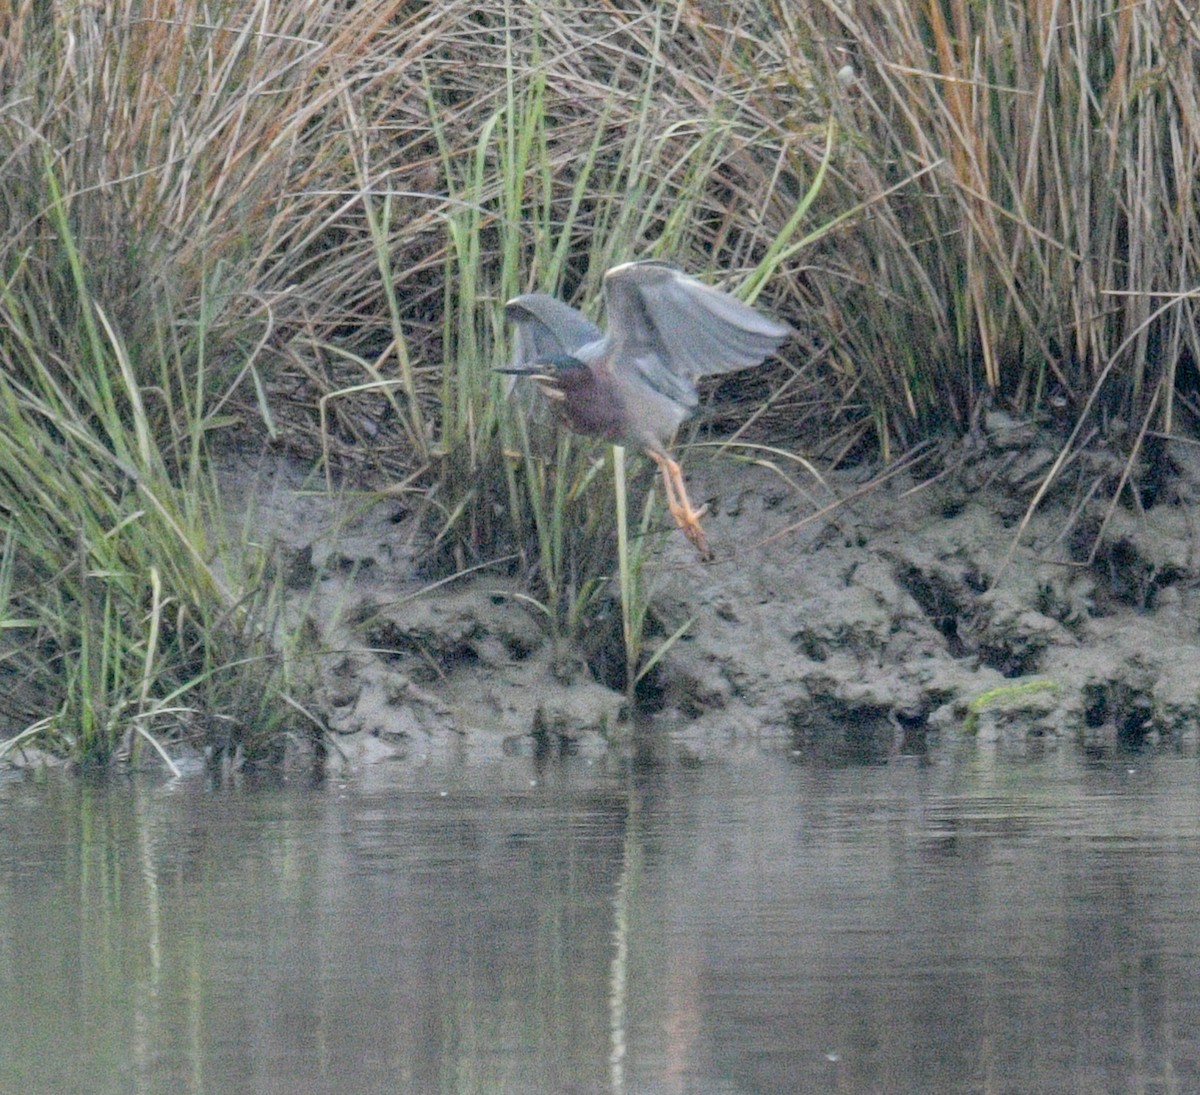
x: 854, y: 619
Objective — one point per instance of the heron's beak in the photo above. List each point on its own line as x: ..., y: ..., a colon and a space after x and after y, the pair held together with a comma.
x: 531, y: 371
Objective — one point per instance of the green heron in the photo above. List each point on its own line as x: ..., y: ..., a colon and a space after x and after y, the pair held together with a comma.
x: 636, y: 384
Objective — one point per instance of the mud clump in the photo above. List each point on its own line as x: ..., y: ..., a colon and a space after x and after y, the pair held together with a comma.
x: 922, y: 601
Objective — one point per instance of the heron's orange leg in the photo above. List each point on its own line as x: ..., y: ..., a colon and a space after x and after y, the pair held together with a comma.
x: 680, y: 505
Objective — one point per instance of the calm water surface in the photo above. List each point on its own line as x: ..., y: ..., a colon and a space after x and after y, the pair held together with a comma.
x: 977, y: 924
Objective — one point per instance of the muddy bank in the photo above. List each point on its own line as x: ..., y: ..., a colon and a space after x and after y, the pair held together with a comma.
x: 902, y: 617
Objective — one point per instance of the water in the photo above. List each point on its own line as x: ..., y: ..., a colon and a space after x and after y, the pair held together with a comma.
x: 979, y: 924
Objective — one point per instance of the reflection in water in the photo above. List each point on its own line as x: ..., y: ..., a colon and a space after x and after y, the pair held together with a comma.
x: 750, y: 925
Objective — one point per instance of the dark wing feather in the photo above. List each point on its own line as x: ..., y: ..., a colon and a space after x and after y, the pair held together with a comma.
x: 547, y: 328
x: 676, y: 328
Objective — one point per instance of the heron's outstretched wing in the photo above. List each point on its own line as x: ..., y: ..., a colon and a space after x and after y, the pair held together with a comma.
x: 676, y: 328
x: 546, y: 328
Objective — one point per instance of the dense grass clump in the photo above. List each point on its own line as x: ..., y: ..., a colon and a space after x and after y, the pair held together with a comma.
x: 1033, y: 233
x: 298, y: 223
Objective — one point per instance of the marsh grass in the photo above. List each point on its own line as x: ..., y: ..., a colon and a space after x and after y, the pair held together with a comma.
x: 118, y: 609
x: 300, y: 222
x: 127, y: 319
x: 1052, y: 214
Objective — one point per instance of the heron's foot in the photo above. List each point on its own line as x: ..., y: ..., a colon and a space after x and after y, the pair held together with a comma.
x: 689, y: 522
x: 686, y: 516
